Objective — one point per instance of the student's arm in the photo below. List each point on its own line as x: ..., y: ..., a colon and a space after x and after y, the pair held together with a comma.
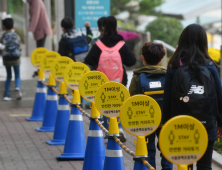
x: 88, y: 35
x: 133, y: 85
x: 62, y: 48
x: 217, y: 81
x: 127, y: 56
x: 167, y: 96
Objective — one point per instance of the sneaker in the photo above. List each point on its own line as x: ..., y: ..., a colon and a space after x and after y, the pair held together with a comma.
x: 18, y: 94
x: 122, y: 136
x: 7, y: 98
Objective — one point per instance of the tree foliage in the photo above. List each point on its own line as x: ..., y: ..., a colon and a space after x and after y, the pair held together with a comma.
x: 166, y: 29
x: 118, y: 6
x: 146, y: 6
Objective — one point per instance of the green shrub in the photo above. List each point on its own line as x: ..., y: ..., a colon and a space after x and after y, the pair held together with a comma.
x: 218, y: 146
x: 166, y: 29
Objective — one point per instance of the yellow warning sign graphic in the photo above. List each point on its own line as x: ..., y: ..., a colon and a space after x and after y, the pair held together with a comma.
x: 36, y: 56
x: 58, y: 67
x: 89, y: 84
x: 110, y: 97
x: 73, y: 73
x: 183, y: 140
x: 140, y: 115
x: 47, y: 59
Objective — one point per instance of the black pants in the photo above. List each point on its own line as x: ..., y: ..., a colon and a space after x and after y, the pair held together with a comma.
x: 205, y: 162
x: 41, y: 42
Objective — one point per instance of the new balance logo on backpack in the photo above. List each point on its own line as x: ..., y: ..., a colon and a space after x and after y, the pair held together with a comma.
x: 196, y: 89
x: 194, y: 94
x: 110, y: 62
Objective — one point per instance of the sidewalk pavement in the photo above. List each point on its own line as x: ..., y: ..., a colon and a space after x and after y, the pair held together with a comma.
x: 23, y: 148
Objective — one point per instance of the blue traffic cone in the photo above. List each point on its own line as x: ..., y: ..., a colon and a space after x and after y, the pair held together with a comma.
x: 49, y: 118
x: 75, y: 140
x: 39, y: 104
x: 95, y: 148
x: 75, y: 144
x: 138, y: 165
x: 114, y: 154
x: 61, y: 124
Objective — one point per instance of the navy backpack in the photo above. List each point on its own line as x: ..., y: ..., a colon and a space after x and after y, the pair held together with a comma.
x: 152, y: 82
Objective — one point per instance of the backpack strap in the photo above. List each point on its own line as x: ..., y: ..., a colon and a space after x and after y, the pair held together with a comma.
x: 101, y: 45
x: 119, y: 45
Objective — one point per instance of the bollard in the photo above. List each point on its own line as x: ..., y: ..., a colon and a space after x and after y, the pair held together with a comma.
x: 62, y: 118
x: 49, y: 118
x: 114, y: 155
x: 40, y: 99
x: 95, y: 148
x: 141, y: 152
x: 75, y: 143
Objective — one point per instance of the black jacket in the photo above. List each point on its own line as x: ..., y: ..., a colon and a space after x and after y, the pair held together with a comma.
x: 71, y: 33
x: 128, y: 58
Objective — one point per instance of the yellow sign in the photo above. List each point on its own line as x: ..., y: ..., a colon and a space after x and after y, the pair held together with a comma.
x: 36, y: 56
x: 89, y: 84
x: 183, y: 140
x: 47, y: 60
x: 58, y: 67
x: 110, y: 97
x: 73, y: 73
x: 140, y: 115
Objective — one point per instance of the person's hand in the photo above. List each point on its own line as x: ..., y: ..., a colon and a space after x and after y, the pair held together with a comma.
x: 219, y: 132
x: 87, y: 24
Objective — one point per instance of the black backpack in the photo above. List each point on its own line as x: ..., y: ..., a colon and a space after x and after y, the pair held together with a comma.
x: 194, y: 94
x: 152, y: 82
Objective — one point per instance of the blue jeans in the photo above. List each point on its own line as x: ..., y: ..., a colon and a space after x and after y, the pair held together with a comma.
x: 106, y: 125
x: 9, y: 77
x: 166, y: 165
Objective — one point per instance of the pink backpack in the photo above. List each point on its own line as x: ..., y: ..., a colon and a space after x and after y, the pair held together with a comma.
x: 110, y: 62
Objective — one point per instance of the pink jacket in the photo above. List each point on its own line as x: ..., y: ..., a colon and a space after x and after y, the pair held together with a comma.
x: 39, y: 24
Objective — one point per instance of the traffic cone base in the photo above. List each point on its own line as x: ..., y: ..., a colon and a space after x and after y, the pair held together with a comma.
x: 75, y: 144
x: 61, y: 124
x: 95, y: 148
x: 39, y: 103
x: 49, y: 118
x: 114, y: 156
x: 139, y: 165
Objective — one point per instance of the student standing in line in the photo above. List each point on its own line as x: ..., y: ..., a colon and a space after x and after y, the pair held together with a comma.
x: 151, y: 72
x: 74, y: 43
x: 111, y: 65
x: 193, y: 87
x: 11, y: 53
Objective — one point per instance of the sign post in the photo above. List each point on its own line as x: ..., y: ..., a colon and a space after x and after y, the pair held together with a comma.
x: 72, y: 75
x: 140, y: 116
x: 88, y: 86
x: 183, y: 140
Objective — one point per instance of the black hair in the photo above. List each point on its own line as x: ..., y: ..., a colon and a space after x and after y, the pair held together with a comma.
x: 110, y: 26
x: 101, y: 23
x: 153, y: 53
x: 8, y: 23
x: 67, y: 23
x: 192, y: 47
